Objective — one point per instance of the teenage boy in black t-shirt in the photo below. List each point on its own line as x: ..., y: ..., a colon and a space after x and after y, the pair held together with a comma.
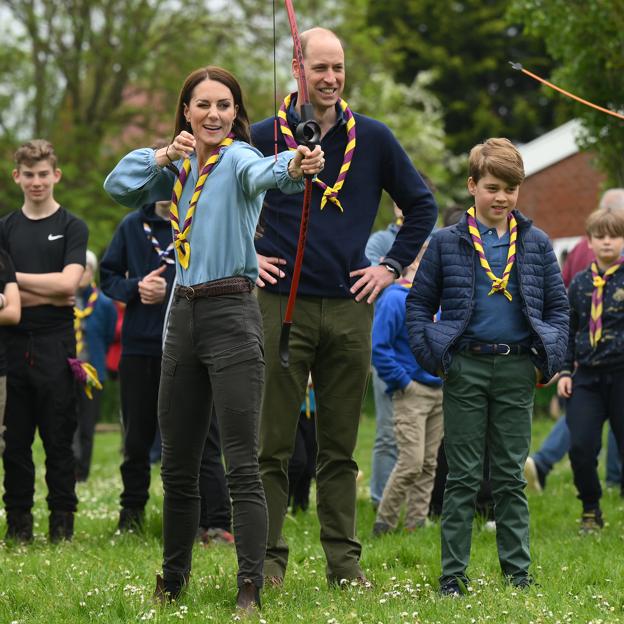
x: 48, y: 246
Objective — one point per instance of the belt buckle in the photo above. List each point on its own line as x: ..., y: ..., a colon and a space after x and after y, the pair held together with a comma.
x: 508, y: 349
x: 190, y: 293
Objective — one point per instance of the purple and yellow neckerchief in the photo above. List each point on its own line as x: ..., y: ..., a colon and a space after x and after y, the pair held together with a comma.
x: 84, y: 372
x: 600, y: 281
x: 329, y: 192
x: 164, y: 256
x: 80, y: 315
x: 181, y: 234
x: 499, y: 284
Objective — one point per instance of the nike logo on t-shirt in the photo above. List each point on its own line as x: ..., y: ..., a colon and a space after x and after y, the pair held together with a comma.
x: 53, y: 237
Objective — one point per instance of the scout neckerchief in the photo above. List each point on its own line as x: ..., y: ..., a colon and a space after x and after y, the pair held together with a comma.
x: 595, y: 321
x: 163, y: 256
x: 181, y: 234
x: 499, y: 284
x: 329, y: 192
x: 84, y: 372
x: 81, y: 315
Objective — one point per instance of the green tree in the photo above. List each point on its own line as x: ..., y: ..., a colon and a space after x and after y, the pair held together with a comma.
x: 468, y: 44
x: 97, y: 77
x: 587, y: 41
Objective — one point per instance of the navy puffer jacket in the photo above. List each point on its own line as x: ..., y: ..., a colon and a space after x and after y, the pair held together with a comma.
x: 446, y: 278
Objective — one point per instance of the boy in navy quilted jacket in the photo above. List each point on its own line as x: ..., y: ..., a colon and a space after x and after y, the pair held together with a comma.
x: 595, y: 390
x: 503, y: 326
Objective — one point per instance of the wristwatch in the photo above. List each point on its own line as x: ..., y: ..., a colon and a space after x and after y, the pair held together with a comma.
x: 392, y: 266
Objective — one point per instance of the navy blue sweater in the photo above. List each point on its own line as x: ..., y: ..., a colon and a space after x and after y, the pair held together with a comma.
x: 609, y: 352
x: 337, y: 240
x: 128, y: 259
x: 446, y: 278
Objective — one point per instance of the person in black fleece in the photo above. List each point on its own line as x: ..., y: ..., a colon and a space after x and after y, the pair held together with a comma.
x: 592, y: 378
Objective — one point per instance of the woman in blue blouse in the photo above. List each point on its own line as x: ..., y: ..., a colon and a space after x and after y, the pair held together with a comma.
x: 213, y: 352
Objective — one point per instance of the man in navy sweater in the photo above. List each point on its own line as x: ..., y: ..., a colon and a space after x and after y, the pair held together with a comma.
x: 331, y: 331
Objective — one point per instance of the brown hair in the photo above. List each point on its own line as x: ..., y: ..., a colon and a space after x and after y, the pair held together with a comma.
x: 498, y: 157
x: 34, y: 152
x: 605, y: 221
x: 240, y: 128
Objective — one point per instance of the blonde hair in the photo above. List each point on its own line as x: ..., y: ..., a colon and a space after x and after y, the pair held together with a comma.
x: 35, y: 151
x: 498, y: 157
x: 605, y: 221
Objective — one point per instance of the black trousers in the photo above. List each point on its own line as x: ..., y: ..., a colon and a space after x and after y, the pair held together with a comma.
x: 596, y: 397
x: 215, y: 506
x: 212, y: 357
x: 87, y: 415
x: 41, y: 394
x: 139, y: 378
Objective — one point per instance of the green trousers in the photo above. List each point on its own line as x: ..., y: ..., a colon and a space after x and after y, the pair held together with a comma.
x: 488, y: 400
x: 331, y: 338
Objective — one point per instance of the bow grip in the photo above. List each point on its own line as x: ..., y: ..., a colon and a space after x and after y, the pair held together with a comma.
x: 308, y: 131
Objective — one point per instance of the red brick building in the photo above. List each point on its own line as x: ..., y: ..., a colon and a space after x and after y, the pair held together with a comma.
x: 561, y: 186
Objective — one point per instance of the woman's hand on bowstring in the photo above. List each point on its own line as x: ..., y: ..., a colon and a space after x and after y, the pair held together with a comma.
x: 181, y: 147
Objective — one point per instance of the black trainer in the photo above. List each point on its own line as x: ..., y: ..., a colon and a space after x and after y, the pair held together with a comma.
x: 19, y: 526
x: 381, y: 528
x: 591, y: 522
x: 130, y: 520
x: 61, y: 526
x: 522, y: 582
x: 454, y: 587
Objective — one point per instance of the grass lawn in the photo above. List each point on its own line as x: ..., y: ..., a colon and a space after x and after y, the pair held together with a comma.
x: 104, y: 577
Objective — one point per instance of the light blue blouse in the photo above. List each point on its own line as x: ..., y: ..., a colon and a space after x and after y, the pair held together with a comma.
x: 224, y: 223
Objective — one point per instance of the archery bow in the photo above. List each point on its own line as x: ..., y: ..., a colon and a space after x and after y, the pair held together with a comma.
x: 308, y: 132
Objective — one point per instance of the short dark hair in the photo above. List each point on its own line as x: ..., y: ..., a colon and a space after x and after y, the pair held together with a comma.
x: 498, y: 157
x: 240, y: 127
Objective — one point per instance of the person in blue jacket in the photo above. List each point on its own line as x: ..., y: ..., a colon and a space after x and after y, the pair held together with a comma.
x: 503, y: 326
x: 417, y: 406
x: 213, y: 352
x: 94, y: 323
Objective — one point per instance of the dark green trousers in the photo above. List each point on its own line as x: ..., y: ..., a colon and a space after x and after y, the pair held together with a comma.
x: 488, y: 399
x: 331, y: 338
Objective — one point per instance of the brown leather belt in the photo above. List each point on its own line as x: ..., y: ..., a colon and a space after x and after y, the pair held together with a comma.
x: 226, y: 286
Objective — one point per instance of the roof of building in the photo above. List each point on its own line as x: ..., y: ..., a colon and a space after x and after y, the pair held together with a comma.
x: 551, y: 147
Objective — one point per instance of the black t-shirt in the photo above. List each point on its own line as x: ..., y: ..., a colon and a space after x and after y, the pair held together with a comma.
x: 7, y: 276
x: 44, y: 246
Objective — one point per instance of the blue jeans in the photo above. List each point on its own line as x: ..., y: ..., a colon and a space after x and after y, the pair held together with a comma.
x: 385, y: 448
x: 557, y: 444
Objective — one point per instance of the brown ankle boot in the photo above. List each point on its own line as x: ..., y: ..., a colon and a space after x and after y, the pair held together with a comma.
x: 248, y: 599
x: 167, y: 592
